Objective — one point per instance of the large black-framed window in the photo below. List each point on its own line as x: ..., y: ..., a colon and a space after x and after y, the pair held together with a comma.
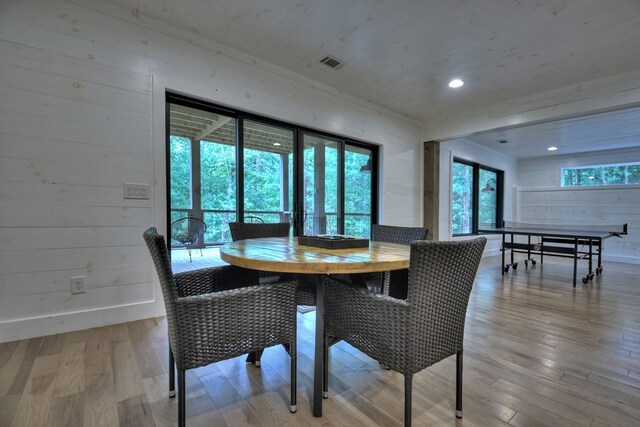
x: 219, y: 158
x: 476, y: 197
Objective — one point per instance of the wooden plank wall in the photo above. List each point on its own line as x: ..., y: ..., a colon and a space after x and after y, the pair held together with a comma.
x: 542, y: 200
x: 71, y: 132
x: 81, y: 112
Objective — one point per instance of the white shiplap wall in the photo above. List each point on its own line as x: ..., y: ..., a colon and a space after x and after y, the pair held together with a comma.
x: 82, y: 112
x: 543, y: 201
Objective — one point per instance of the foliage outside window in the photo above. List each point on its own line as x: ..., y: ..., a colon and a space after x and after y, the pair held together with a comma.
x: 488, y: 206
x: 204, y: 181
x: 180, y: 149
x: 217, y: 188
x: 475, y: 198
x: 616, y: 174
x: 357, y: 194
x: 462, y: 199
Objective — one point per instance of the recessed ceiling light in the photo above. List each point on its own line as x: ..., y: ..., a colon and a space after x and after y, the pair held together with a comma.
x: 552, y: 148
x: 455, y: 83
x: 277, y: 144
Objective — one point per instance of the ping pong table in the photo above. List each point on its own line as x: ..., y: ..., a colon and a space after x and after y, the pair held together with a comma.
x: 576, y: 242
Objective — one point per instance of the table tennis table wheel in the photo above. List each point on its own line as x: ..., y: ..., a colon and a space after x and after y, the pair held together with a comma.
x: 585, y: 280
x: 533, y: 262
x: 598, y: 271
x: 515, y: 266
x: 506, y: 269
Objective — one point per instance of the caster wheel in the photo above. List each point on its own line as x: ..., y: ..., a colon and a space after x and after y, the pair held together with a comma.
x: 533, y: 262
x: 515, y: 266
x: 585, y: 280
x: 506, y: 269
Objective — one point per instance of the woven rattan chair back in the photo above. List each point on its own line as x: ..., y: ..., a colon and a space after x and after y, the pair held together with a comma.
x: 441, y: 275
x: 394, y: 283
x: 160, y: 256
x: 218, y: 313
x: 245, y: 230
x: 396, y: 234
x: 409, y: 336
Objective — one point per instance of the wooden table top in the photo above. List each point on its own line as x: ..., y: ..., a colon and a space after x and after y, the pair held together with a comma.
x: 284, y: 255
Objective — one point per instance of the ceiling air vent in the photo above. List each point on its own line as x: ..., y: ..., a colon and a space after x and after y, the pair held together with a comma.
x: 332, y: 62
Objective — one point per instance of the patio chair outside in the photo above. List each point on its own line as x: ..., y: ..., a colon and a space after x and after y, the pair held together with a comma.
x: 189, y: 231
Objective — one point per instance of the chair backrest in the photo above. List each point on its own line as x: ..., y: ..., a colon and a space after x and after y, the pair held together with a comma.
x: 396, y: 234
x: 441, y: 275
x: 158, y: 249
x: 188, y: 230
x: 244, y: 230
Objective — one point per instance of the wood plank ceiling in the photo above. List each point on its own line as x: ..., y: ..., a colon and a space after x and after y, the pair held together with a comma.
x: 401, y: 54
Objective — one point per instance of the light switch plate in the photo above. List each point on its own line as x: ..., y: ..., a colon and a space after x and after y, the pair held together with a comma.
x: 136, y: 191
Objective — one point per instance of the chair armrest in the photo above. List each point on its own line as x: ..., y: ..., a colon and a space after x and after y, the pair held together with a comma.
x: 374, y: 323
x: 214, y: 279
x: 365, y: 310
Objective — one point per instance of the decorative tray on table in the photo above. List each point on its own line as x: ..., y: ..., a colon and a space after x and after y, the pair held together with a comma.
x: 333, y: 241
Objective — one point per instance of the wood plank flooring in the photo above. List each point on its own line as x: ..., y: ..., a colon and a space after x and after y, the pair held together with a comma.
x: 537, y: 352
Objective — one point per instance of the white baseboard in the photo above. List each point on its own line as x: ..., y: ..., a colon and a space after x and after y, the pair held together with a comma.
x: 491, y: 252
x: 621, y: 258
x: 20, y: 329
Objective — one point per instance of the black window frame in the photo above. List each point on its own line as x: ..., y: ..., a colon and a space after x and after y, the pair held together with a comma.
x: 477, y: 187
x: 298, y: 130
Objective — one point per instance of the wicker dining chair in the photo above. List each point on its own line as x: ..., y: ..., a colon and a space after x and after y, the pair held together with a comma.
x: 409, y: 335
x: 217, y: 313
x: 392, y: 283
x: 305, y: 292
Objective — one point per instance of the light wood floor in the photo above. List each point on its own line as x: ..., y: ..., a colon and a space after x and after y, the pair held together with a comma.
x: 537, y: 352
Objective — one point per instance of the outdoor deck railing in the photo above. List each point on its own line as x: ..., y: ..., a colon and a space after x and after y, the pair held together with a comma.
x: 218, y: 219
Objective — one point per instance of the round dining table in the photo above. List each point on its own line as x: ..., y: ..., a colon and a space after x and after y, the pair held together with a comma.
x: 286, y: 255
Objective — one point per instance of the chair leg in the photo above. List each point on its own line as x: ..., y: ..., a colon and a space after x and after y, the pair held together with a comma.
x: 294, y: 378
x: 172, y: 374
x: 182, y: 392
x: 254, y: 357
x: 459, y: 384
x: 325, y: 368
x: 189, y: 250
x: 408, y: 379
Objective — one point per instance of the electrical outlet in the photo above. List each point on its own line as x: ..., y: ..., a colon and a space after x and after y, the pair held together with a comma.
x: 77, y: 285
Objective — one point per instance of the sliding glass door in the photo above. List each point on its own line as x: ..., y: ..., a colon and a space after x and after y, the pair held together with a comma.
x: 321, y: 193
x: 358, y: 190
x: 225, y: 165
x: 268, y: 166
x: 202, y: 169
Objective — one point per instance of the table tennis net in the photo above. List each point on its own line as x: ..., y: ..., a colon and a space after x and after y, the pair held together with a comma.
x: 613, y: 229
